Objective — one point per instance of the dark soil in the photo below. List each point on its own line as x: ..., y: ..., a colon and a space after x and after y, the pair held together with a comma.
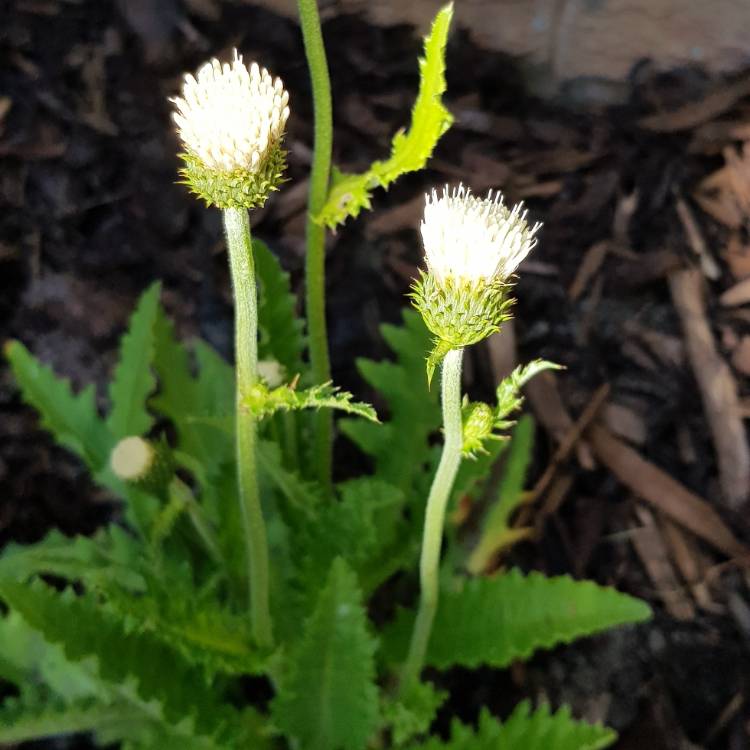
x: 90, y: 213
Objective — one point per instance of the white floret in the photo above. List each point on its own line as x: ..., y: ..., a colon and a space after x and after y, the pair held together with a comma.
x: 473, y: 239
x: 229, y: 116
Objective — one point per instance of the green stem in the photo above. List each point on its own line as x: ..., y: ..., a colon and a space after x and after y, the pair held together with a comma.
x: 432, y: 536
x: 315, y: 233
x: 237, y: 230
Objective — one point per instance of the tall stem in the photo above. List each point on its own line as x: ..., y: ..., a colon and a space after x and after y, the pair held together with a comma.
x: 432, y: 536
x: 315, y: 233
x: 237, y: 230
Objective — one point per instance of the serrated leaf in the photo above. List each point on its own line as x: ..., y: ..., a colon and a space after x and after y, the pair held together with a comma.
x: 508, y: 393
x: 520, y: 614
x: 525, y: 730
x: 143, y: 669
x: 400, y: 446
x: 263, y: 401
x: 350, y: 193
x: 329, y: 700
x: 103, y: 558
x: 192, y: 401
x: 21, y: 721
x: 72, y: 419
x: 410, y: 715
x: 281, y: 335
x: 133, y: 380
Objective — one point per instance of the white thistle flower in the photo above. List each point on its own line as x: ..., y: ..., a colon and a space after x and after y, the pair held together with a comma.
x: 231, y: 117
x: 472, y: 239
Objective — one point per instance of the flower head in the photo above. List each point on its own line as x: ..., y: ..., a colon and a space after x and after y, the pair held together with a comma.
x: 471, y: 239
x: 472, y: 248
x: 231, y: 119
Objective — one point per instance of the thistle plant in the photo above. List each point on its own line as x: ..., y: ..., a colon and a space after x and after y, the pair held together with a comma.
x: 231, y: 121
x: 234, y: 553
x: 472, y: 247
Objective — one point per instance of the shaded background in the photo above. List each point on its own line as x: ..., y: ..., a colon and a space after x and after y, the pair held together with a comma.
x: 623, y: 124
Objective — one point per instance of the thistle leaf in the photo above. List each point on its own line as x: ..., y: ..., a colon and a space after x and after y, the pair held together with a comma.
x: 263, y: 401
x: 525, y: 730
x: 328, y: 700
x: 350, y: 193
x: 21, y: 721
x: 509, y: 397
x: 280, y: 329
x: 72, y: 419
x: 143, y: 668
x: 520, y: 614
x: 133, y: 380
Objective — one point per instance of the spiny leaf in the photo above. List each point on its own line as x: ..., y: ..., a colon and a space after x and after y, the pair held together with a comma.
x: 281, y: 330
x: 410, y: 715
x: 106, y: 557
x: 360, y: 528
x: 72, y: 419
x: 519, y: 614
x: 145, y: 669
x: 496, y: 534
x: 509, y: 397
x: 133, y: 381
x: 400, y: 446
x: 263, y: 401
x: 203, y: 632
x: 21, y: 721
x: 525, y: 730
x: 350, y: 193
x: 328, y: 700
x: 192, y: 401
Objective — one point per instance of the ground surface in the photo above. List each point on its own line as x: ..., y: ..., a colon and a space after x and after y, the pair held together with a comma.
x: 642, y: 465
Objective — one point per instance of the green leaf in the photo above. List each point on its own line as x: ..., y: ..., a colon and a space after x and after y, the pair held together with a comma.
x: 495, y: 533
x: 400, y: 446
x: 140, y: 666
x: 133, y: 381
x: 280, y: 329
x: 410, y: 715
x: 328, y: 700
x: 194, y: 402
x: 263, y: 401
x: 350, y: 193
x: 509, y: 397
x: 525, y: 730
x: 21, y: 721
x: 107, y: 557
x: 72, y: 419
x: 520, y: 614
x: 360, y: 528
x: 202, y: 631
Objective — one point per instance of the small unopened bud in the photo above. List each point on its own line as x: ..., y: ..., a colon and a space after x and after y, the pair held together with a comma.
x: 146, y: 465
x: 478, y: 422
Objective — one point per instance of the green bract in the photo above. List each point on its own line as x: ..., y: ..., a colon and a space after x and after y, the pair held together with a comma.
x: 241, y: 188
x: 459, y: 313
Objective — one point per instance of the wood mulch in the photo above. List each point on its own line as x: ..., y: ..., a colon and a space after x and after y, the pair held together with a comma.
x: 640, y: 287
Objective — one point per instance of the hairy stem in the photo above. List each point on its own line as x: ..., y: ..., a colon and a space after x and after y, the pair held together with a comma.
x: 315, y: 233
x: 432, y: 536
x: 237, y: 230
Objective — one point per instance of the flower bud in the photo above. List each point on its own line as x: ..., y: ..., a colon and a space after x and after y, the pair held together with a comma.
x: 231, y: 120
x: 478, y: 423
x: 143, y: 464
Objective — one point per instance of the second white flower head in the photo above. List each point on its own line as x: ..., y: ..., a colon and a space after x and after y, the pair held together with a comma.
x: 231, y: 116
x: 472, y: 239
